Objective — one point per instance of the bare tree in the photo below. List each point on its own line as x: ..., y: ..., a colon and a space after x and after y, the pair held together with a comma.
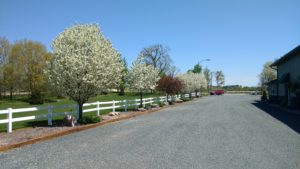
x: 207, y: 75
x: 220, y: 78
x: 157, y: 56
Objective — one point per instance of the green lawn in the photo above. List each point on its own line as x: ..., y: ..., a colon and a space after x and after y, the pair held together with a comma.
x: 21, y: 102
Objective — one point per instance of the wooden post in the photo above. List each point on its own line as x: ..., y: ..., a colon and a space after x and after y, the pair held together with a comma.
x: 114, y: 104
x: 49, y: 115
x: 150, y: 101
x: 144, y: 104
x: 98, y: 108
x: 9, y: 118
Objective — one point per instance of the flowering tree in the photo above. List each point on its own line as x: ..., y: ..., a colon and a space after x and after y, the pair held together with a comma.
x: 267, y: 74
x: 192, y: 81
x: 142, y: 77
x: 169, y: 85
x: 84, y: 63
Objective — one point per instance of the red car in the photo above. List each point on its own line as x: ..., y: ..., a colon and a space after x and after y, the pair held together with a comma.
x: 217, y: 92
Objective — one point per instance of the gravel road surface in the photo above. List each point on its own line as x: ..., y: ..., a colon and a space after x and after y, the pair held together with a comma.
x: 217, y: 132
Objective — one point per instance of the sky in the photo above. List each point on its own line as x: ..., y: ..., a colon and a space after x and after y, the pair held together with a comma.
x: 238, y: 36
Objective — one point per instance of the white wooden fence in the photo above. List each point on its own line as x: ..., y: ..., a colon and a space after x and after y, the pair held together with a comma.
x: 53, y: 111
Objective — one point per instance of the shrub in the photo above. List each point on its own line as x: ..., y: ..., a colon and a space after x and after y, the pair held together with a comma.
x: 161, y: 104
x: 89, y: 119
x: 170, y: 102
x: 169, y: 85
x: 264, y: 96
x: 154, y: 105
x: 36, y: 97
x: 185, y: 99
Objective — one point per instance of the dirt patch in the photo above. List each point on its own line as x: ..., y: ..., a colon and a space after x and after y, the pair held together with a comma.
x: 25, y: 134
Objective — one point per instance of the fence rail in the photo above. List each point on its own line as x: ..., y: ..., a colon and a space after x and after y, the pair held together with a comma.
x: 54, y: 111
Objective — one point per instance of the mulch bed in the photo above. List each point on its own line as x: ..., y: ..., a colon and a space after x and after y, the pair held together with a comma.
x: 21, y: 137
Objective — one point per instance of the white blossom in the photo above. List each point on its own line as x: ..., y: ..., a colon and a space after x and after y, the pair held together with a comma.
x: 192, y: 81
x: 142, y: 77
x: 84, y: 63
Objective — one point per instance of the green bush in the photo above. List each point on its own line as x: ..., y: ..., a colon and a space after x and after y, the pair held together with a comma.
x: 154, y: 105
x: 36, y: 97
x: 185, y: 99
x: 89, y: 119
x: 264, y: 96
x: 161, y: 104
x: 171, y: 102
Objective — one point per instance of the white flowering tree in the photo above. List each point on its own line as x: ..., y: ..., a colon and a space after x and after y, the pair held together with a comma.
x: 84, y: 63
x: 193, y: 82
x: 142, y: 77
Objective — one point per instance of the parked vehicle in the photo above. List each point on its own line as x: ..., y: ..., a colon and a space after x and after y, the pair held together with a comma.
x: 217, y: 92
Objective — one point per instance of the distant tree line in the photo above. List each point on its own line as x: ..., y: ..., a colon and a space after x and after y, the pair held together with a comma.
x: 22, y: 68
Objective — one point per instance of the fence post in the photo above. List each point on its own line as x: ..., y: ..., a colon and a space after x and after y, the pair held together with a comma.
x: 114, y: 104
x: 98, y: 108
x: 126, y: 105
x: 9, y: 118
x: 144, y: 104
x: 150, y: 101
x: 49, y: 115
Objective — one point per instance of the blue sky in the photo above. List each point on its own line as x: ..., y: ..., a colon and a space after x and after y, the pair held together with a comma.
x: 238, y: 36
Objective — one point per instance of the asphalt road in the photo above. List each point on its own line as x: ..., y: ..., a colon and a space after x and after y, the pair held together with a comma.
x: 218, y: 132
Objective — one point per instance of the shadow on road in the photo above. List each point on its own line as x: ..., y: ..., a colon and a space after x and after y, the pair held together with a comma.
x: 290, y: 119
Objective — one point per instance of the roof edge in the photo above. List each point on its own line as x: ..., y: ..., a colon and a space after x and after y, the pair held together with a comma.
x: 287, y: 56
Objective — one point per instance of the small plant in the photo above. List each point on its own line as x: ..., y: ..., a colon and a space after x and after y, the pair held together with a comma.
x: 185, y: 99
x: 264, y: 96
x: 154, y: 105
x: 161, y: 104
x: 170, y: 102
x: 89, y: 119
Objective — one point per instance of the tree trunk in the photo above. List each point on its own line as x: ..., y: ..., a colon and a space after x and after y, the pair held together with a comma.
x: 10, y: 93
x: 80, y: 105
x: 122, y: 91
x: 141, y: 101
x: 0, y: 92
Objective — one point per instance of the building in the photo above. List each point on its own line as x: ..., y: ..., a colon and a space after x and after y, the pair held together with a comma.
x: 286, y: 88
